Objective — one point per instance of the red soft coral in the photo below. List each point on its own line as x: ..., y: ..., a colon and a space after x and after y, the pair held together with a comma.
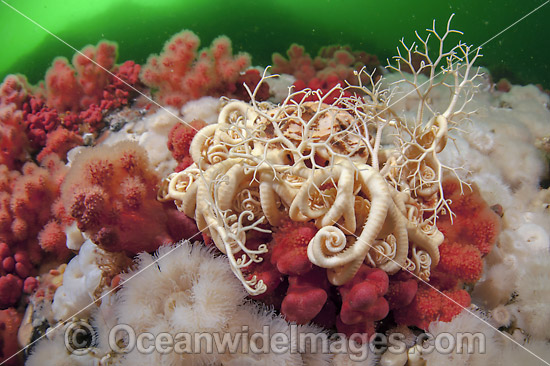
x: 336, y: 62
x: 289, y: 247
x: 180, y: 74
x: 299, y: 63
x: 18, y: 264
x: 305, y: 297
x: 14, y: 90
x: 82, y: 93
x: 62, y: 90
x: 10, y: 320
x: 11, y: 288
x: 363, y: 300
x: 91, y: 65
x: 25, y: 209
x: 475, y: 223
x: 31, y: 197
x: 122, y: 87
x: 14, y: 144
x: 430, y: 305
x: 39, y: 120
x: 59, y: 142
x: 323, y: 86
x: 469, y: 236
x: 179, y: 141
x: 401, y: 290
x: 75, y: 89
x: 460, y: 261
x: 179, y: 224
x: 251, y: 78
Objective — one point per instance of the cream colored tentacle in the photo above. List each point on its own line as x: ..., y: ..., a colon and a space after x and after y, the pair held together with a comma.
x: 268, y: 198
x: 284, y: 191
x: 342, y: 274
x: 427, y: 240
x: 402, y: 239
x: 203, y: 215
x: 182, y: 188
x: 197, y: 144
x: 231, y: 184
x: 380, y: 200
x: 242, y: 108
x: 300, y: 204
x: 341, y: 206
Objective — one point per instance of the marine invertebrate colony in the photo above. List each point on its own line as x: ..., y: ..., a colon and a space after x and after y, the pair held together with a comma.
x: 335, y: 204
x: 262, y: 164
x: 181, y: 74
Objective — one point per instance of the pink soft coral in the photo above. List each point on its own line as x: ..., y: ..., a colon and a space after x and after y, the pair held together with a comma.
x: 52, y: 239
x: 75, y: 89
x: 180, y: 74
x: 460, y: 261
x: 26, y: 199
x: 468, y: 237
x: 333, y: 65
x: 59, y: 142
x: 31, y: 196
x: 475, y: 224
x: 83, y: 92
x: 112, y: 194
x: 13, y: 140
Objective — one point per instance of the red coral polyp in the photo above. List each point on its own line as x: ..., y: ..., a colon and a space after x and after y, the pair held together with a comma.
x: 460, y: 261
x: 180, y: 137
x: 430, y: 305
x: 289, y: 247
x: 133, y: 191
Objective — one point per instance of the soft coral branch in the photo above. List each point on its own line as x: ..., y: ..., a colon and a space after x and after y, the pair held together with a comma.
x: 180, y: 74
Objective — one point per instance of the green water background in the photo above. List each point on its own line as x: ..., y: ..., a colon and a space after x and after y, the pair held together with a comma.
x: 262, y: 27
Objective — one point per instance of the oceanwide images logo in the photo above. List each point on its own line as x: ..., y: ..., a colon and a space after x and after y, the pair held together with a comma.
x: 81, y: 338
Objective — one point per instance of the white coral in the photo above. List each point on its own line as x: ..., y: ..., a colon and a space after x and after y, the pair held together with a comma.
x: 82, y: 282
x: 184, y: 284
x: 53, y: 352
x: 189, y: 290
x: 531, y: 307
x: 205, y: 108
